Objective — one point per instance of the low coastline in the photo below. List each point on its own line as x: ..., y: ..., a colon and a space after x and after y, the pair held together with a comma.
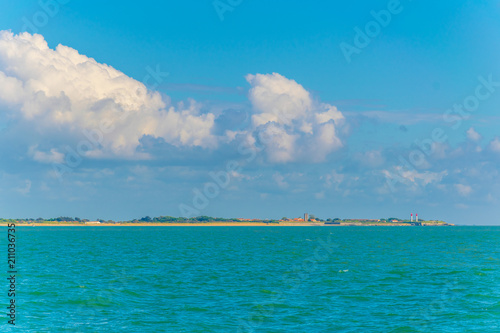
x: 224, y: 224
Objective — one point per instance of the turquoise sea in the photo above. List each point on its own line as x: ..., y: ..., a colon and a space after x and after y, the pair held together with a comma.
x: 255, y: 279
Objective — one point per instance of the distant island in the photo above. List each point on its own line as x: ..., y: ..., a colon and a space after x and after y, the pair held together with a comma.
x: 306, y: 220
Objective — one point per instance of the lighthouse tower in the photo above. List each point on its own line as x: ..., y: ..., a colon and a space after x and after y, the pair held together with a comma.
x: 411, y: 217
x: 416, y: 217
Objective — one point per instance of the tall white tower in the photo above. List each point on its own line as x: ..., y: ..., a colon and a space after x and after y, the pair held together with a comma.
x: 411, y: 217
x: 416, y: 217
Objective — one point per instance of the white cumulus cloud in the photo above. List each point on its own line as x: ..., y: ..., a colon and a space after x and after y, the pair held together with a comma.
x: 495, y: 145
x: 54, y: 89
x: 473, y: 135
x: 293, y: 125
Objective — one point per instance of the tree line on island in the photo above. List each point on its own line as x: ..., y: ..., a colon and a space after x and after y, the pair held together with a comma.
x: 198, y: 219
x: 146, y: 219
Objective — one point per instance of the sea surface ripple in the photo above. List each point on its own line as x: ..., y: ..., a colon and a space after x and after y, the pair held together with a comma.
x: 256, y: 279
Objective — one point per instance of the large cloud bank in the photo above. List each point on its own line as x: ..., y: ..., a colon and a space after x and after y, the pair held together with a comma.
x: 66, y: 97
x: 61, y: 88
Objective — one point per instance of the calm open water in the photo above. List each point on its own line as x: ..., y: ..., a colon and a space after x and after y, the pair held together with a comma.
x: 265, y: 279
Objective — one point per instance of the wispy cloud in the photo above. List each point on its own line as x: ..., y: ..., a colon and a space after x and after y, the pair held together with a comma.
x: 398, y: 117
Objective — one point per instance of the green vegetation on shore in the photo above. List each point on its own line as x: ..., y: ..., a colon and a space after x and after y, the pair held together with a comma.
x: 147, y: 219
x: 208, y: 219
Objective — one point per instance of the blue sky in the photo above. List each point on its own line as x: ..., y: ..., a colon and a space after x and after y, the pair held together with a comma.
x: 338, y: 129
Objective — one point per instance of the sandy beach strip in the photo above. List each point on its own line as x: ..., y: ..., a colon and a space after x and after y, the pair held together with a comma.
x: 215, y: 224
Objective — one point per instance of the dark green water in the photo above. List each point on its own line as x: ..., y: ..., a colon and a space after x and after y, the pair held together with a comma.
x: 262, y: 279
